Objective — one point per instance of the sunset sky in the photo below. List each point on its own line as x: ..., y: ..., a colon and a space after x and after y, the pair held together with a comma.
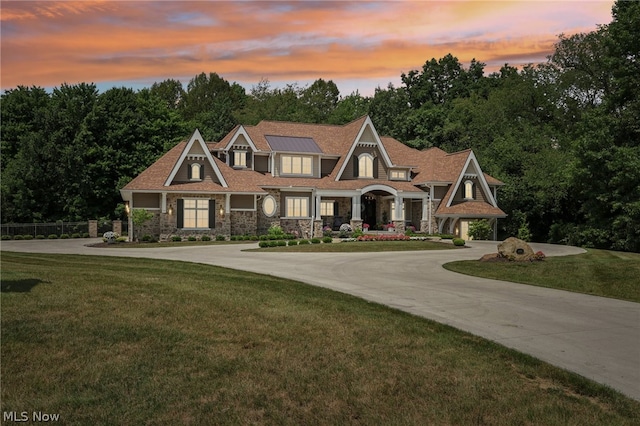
x: 357, y: 44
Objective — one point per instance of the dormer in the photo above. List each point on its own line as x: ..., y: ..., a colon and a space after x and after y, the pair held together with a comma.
x: 240, y: 150
x: 295, y: 156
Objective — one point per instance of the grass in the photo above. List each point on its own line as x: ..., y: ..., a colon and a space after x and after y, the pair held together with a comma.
x: 361, y: 246
x: 168, y: 244
x: 597, y: 272
x: 139, y: 341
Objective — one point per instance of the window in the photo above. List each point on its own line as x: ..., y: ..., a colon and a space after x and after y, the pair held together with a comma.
x: 468, y: 190
x: 195, y: 213
x: 240, y: 159
x: 365, y: 166
x: 297, y: 207
x: 296, y: 165
x: 269, y: 206
x: 399, y: 174
x: 326, y: 208
x: 195, y: 171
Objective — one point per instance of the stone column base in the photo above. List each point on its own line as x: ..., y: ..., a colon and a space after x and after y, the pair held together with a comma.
x: 317, y: 228
x: 356, y: 224
x: 399, y: 225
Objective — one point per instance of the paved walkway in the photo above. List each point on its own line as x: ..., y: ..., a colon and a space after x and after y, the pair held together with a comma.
x: 596, y: 337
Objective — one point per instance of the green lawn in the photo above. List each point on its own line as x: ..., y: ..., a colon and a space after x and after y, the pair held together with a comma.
x: 105, y: 341
x: 598, y: 272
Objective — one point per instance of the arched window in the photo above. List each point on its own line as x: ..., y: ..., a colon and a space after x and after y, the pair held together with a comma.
x: 195, y: 171
x: 468, y: 190
x: 365, y: 166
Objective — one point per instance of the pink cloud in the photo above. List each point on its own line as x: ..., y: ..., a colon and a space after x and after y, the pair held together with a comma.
x: 47, y: 43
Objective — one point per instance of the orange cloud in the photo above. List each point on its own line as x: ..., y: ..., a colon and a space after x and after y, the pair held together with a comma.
x: 47, y: 43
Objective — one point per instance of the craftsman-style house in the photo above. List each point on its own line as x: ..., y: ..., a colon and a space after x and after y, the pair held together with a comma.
x: 310, y: 177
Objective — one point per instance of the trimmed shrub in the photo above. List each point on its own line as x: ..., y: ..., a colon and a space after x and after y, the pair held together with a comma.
x: 304, y: 242
x: 75, y: 235
x: 85, y: 235
x: 192, y: 238
x: 121, y: 239
x: 53, y: 236
x: 205, y: 238
x: 282, y: 243
x: 64, y: 236
x: 28, y: 237
x: 263, y: 244
x: 263, y: 237
x: 39, y: 237
x: 315, y: 241
x: 18, y: 237
x: 447, y: 236
x: 458, y: 242
x: 273, y: 243
x: 292, y: 242
x: 175, y: 238
x: 220, y: 238
x: 254, y: 238
x: 327, y: 240
x: 5, y: 237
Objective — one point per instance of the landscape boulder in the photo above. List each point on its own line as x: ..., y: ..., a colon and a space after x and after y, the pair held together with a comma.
x: 515, y: 249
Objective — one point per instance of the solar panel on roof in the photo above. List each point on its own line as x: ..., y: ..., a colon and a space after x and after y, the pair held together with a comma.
x: 292, y: 144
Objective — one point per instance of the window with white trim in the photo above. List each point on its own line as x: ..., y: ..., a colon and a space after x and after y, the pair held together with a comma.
x: 326, y: 208
x: 240, y: 158
x: 196, y: 213
x: 296, y: 165
x: 399, y: 174
x: 269, y: 206
x: 195, y: 171
x: 365, y: 166
x: 297, y: 207
x: 468, y: 190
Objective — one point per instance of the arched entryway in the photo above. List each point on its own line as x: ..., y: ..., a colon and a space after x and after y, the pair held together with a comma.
x: 375, y: 205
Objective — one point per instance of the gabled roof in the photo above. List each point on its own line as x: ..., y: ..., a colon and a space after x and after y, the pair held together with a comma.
x: 196, y: 138
x: 366, y: 125
x: 471, y: 163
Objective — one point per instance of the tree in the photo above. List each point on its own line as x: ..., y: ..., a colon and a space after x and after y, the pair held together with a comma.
x: 140, y: 217
x: 480, y: 229
x: 318, y: 101
x: 210, y: 103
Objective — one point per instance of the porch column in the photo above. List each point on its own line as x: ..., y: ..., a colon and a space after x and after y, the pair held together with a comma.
x: 398, y: 212
x: 425, y: 220
x: 355, y: 208
x: 164, y: 202
x: 318, y: 206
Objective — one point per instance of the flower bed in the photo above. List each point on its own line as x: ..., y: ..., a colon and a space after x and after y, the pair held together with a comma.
x: 394, y: 237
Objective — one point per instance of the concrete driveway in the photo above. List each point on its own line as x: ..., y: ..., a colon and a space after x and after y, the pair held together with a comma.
x: 596, y: 337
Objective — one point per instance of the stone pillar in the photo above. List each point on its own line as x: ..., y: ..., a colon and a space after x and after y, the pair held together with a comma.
x: 400, y: 226
x: 117, y: 227
x: 317, y: 228
x: 356, y: 223
x: 93, y: 229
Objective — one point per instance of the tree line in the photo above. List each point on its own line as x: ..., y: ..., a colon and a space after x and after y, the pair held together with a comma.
x: 564, y: 136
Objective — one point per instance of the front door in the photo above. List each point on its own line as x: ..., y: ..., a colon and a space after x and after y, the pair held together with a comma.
x: 368, y: 215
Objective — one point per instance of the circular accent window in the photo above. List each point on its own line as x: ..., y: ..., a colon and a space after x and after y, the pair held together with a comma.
x: 269, y: 206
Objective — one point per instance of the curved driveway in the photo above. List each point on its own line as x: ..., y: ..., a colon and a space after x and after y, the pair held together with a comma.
x: 596, y: 337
